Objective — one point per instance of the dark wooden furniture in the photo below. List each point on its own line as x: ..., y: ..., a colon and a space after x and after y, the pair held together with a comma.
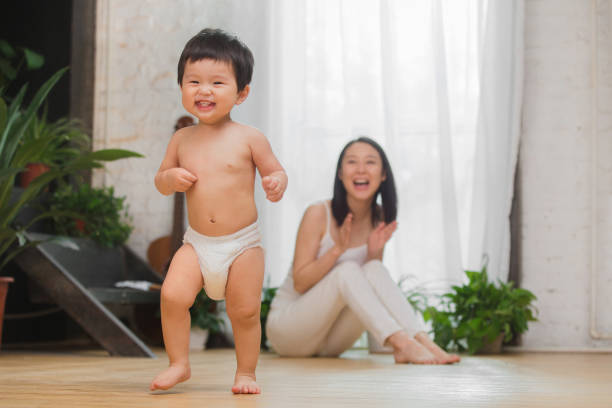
x: 81, y: 281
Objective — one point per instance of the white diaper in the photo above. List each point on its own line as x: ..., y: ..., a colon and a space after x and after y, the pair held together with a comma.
x: 216, y: 255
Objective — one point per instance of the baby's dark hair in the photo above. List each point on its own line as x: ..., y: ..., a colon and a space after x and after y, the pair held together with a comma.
x: 218, y: 45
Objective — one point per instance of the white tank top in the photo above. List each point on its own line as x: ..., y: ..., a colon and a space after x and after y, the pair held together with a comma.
x: 357, y: 254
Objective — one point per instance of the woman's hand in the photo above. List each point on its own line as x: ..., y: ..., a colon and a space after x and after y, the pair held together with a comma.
x: 344, y: 235
x: 378, y: 238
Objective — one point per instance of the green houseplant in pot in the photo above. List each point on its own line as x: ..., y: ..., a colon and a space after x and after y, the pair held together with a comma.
x: 204, y: 321
x: 62, y: 140
x: 94, y: 212
x: 479, y: 316
x: 17, y: 150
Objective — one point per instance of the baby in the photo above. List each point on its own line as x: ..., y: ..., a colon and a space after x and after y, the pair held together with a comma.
x: 214, y: 163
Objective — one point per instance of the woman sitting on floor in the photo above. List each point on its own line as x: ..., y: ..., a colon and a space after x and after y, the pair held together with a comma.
x: 338, y: 286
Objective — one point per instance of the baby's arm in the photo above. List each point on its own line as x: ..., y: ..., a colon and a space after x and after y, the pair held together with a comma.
x: 170, y: 178
x: 273, y: 176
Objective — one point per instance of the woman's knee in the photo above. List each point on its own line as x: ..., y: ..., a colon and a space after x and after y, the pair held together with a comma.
x: 374, y: 269
x: 345, y: 270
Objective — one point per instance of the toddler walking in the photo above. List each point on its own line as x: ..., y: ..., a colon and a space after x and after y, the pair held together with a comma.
x: 214, y: 163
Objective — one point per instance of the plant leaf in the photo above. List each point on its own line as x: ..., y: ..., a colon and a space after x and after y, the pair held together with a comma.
x: 110, y: 155
x: 7, y: 70
x: 7, y: 49
x: 33, y: 59
x: 3, y: 115
x: 11, y: 145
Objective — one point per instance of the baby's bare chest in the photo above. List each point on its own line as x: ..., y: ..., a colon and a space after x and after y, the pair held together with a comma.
x: 214, y: 158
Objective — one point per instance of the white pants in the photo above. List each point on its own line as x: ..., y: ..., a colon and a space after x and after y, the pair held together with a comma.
x: 330, y: 317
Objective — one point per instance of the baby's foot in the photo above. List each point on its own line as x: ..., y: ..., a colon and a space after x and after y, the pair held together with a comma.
x: 442, y: 357
x: 170, y: 377
x: 245, y: 384
x: 408, y: 350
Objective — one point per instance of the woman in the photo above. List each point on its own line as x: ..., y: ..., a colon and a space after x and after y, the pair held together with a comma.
x: 338, y: 286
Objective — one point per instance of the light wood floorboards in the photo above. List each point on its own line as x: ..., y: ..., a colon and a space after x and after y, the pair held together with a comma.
x: 358, y: 379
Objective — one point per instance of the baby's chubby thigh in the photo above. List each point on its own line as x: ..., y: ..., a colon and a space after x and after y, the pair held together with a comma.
x: 244, y: 284
x: 183, y: 280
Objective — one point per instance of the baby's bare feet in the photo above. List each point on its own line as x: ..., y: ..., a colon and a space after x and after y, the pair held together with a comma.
x: 442, y: 357
x: 170, y: 377
x: 408, y: 350
x: 245, y: 384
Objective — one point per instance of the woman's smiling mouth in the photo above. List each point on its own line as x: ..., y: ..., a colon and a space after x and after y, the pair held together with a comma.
x: 361, y: 184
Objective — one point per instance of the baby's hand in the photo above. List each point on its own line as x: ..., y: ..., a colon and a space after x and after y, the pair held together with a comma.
x: 274, y: 188
x: 180, y: 179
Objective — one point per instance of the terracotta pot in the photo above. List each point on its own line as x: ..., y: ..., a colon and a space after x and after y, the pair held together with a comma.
x: 4, y: 281
x: 33, y: 170
x: 79, y: 225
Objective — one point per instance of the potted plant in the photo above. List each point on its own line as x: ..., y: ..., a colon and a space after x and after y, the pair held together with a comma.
x: 478, y: 316
x: 62, y: 140
x: 204, y: 321
x: 91, y: 212
x: 16, y: 151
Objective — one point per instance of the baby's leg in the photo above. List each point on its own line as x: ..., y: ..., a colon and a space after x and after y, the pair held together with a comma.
x: 243, y: 303
x: 181, y: 285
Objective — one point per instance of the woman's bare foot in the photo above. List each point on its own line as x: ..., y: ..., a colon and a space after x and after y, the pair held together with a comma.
x: 170, y: 377
x: 408, y: 350
x: 442, y: 356
x: 245, y: 384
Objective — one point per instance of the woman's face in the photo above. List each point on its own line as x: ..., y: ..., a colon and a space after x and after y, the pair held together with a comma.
x: 361, y: 171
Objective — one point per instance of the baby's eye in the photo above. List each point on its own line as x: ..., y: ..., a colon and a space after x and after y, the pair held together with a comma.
x: 193, y: 82
x: 217, y: 83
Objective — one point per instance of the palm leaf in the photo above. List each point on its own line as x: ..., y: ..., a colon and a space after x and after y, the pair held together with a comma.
x: 11, y: 145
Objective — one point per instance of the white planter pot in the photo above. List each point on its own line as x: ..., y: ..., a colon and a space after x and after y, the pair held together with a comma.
x: 197, y: 338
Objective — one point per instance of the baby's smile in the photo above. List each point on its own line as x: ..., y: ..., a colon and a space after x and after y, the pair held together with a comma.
x: 205, y: 105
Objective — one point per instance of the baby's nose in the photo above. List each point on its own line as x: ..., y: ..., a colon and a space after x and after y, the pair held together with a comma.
x: 204, y: 90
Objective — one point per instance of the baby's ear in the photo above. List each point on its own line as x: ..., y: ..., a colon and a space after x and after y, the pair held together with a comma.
x: 242, y: 95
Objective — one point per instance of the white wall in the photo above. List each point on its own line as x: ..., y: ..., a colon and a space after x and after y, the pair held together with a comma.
x: 567, y: 75
x: 137, y: 99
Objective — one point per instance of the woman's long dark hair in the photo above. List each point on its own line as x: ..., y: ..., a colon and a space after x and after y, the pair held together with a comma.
x: 386, y: 189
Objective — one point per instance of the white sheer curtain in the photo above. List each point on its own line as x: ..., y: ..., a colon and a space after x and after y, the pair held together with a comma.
x: 437, y: 83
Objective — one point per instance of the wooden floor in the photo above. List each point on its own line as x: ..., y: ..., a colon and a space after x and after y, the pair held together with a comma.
x: 92, y: 379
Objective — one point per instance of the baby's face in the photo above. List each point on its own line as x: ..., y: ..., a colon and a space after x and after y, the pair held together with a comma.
x: 209, y: 90
x: 361, y: 170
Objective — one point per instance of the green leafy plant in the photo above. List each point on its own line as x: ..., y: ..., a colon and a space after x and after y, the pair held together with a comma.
x: 12, y: 59
x: 474, y: 314
x: 16, y: 153
x: 94, y: 213
x: 53, y: 143
x: 203, y: 314
x: 266, y: 300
